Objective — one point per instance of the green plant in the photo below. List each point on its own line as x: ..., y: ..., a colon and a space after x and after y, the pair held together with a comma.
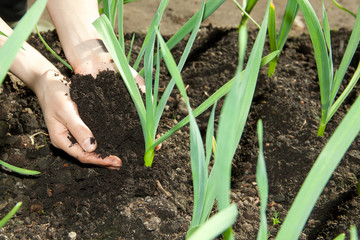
x: 151, y: 112
x: 277, y: 41
x: 344, y: 9
x: 320, y: 174
x: 262, y: 182
x: 216, y: 185
x: 10, y: 214
x: 19, y: 170
x: 21, y: 32
x: 353, y: 234
x: 328, y: 81
x: 275, y: 219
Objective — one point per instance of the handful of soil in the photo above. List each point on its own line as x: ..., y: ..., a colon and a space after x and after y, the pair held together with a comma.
x: 106, y: 107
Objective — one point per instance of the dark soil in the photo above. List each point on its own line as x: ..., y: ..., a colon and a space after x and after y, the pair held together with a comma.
x: 70, y: 200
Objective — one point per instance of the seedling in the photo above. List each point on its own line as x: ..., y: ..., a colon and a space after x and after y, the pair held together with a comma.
x: 328, y: 81
x: 275, y: 219
x: 216, y: 185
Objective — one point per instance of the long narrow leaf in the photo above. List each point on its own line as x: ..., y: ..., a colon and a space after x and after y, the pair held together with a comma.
x: 120, y: 8
x: 198, y: 169
x: 320, y: 174
x: 231, y: 123
x: 353, y: 233
x: 105, y: 30
x: 272, y: 37
x: 184, y: 56
x: 345, y: 93
x: 344, y: 9
x: 19, y: 170
x: 326, y: 28
x: 210, y: 135
x: 148, y: 66
x: 52, y: 51
x: 291, y: 11
x: 262, y: 182
x: 21, y: 32
x: 209, y: 102
x: 321, y: 57
x: 216, y: 224
x: 10, y: 214
x: 348, y: 55
x: 154, y: 24
x: 198, y: 166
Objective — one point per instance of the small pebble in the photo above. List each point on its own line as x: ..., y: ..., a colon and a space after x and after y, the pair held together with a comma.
x: 152, y: 223
x: 72, y: 235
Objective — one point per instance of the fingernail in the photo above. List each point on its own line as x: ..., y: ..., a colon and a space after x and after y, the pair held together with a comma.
x: 89, y: 145
x: 114, y: 161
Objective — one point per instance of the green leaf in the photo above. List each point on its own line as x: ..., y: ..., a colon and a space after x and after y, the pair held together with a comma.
x: 222, y: 91
x: 216, y: 224
x: 345, y: 62
x: 1, y: 33
x: 198, y: 166
x: 291, y: 11
x: 52, y: 51
x: 21, y: 32
x: 353, y: 233
x: 10, y: 214
x: 272, y: 38
x: 321, y: 57
x: 262, y: 182
x: 210, y: 135
x: 340, y: 237
x: 120, y: 7
x: 320, y: 174
x: 344, y: 9
x: 231, y: 123
x: 19, y: 170
x: 154, y: 24
x: 105, y: 30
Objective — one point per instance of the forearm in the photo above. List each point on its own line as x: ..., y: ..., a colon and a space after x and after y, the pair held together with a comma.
x: 29, y: 65
x: 73, y: 21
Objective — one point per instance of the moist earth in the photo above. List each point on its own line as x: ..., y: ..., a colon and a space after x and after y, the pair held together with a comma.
x: 70, y: 200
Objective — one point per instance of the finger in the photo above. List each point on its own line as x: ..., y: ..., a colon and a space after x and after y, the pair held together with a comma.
x: 61, y: 140
x: 78, y: 128
x: 157, y: 148
x: 82, y: 134
x: 139, y: 80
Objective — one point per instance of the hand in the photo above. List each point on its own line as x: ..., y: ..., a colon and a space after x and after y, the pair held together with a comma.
x: 62, y: 118
x: 92, y: 57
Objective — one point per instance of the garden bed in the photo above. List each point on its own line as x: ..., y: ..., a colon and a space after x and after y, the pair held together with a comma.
x: 137, y: 202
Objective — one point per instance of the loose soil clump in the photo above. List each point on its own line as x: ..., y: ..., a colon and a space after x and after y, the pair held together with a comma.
x: 71, y: 199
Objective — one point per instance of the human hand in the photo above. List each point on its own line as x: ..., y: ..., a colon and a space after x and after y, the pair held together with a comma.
x: 61, y: 117
x: 92, y: 58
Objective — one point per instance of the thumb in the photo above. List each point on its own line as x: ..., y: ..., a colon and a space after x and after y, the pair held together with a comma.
x: 82, y: 135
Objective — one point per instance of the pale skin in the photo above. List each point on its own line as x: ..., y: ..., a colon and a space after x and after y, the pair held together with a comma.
x: 80, y: 41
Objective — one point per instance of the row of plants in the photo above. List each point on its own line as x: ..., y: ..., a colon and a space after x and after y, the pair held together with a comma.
x: 214, y: 186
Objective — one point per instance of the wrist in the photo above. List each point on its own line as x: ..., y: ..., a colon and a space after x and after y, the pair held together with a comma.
x: 46, y: 84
